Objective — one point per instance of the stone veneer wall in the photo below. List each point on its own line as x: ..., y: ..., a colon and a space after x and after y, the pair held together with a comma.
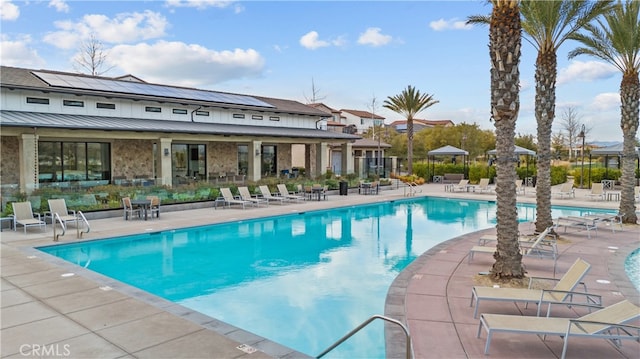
x: 132, y: 158
x: 222, y: 157
x: 9, y: 164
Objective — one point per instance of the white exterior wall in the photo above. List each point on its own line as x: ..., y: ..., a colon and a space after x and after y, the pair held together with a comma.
x: 356, y: 120
x: 16, y: 100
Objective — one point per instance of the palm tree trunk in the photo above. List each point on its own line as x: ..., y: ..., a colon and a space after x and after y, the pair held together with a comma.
x: 546, y: 74
x: 410, y: 146
x: 630, y: 102
x: 505, y: 35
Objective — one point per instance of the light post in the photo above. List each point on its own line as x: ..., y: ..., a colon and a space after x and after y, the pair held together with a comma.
x: 582, y: 135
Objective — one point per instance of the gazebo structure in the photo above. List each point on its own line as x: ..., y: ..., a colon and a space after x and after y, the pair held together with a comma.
x: 520, y: 151
x: 615, y: 150
x: 448, y: 151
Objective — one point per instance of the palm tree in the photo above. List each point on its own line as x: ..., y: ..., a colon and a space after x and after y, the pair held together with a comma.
x: 505, y: 34
x: 616, y: 40
x: 409, y: 103
x: 547, y: 25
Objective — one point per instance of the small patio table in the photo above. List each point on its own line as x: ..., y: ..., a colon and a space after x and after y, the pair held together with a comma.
x: 145, y: 204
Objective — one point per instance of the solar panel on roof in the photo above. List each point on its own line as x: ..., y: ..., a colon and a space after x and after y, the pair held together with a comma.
x: 90, y: 83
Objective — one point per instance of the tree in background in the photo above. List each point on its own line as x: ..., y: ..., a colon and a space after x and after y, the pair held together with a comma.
x: 616, y: 40
x: 91, y: 57
x: 409, y: 103
x: 571, y: 126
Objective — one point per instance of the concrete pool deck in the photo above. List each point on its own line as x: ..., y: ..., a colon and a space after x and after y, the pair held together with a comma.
x: 46, y: 311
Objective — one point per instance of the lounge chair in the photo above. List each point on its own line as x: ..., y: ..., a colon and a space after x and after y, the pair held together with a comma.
x: 245, y: 195
x: 580, y: 223
x: 606, y: 323
x: 284, y: 192
x: 59, y: 206
x: 23, y: 214
x: 229, y: 199
x: 597, y: 191
x: 608, y: 218
x: 636, y: 193
x: 266, y: 194
x: 462, y: 186
x: 519, y: 187
x: 566, y: 189
x: 483, y: 185
x: 542, y: 247
x: 562, y: 292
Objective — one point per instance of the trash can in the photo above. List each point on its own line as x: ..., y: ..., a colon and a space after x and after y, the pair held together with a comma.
x: 344, y: 188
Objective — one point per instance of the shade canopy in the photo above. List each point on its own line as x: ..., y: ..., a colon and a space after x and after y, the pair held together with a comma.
x: 518, y: 151
x: 610, y: 150
x: 448, y: 151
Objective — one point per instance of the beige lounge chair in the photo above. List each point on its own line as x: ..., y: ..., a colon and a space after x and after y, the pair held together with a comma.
x: 59, y: 206
x: 566, y: 189
x: 462, y: 186
x: 284, y: 192
x: 519, y: 187
x: 245, y: 195
x: 580, y: 223
x: 541, y: 243
x: 606, y: 323
x: 266, y: 194
x: 229, y: 199
x: 23, y: 214
x: 562, y: 292
x: 597, y: 191
x: 483, y: 186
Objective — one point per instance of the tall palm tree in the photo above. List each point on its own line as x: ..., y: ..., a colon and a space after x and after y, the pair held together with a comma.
x: 409, y: 103
x: 547, y: 25
x: 505, y: 34
x: 616, y: 40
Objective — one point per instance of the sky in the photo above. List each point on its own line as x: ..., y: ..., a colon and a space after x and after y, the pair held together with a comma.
x: 345, y: 54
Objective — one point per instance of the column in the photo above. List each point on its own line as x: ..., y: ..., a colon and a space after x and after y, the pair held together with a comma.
x: 164, y: 173
x: 347, y: 158
x: 322, y: 159
x: 28, y: 162
x: 254, y: 161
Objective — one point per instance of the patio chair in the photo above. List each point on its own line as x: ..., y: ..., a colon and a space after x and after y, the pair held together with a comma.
x: 128, y: 210
x: 229, y: 199
x: 266, y: 194
x: 483, y: 185
x: 606, y: 323
x: 636, y: 193
x: 597, y: 191
x: 519, y: 187
x: 59, y: 206
x: 566, y: 189
x: 462, y: 186
x: 245, y: 195
x: 284, y: 192
x: 23, y: 214
x: 580, y: 223
x: 154, y: 207
x: 563, y: 292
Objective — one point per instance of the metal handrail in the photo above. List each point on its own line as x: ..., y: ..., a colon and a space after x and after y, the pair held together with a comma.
x: 84, y: 219
x: 56, y: 218
x: 364, y: 324
x: 412, y: 188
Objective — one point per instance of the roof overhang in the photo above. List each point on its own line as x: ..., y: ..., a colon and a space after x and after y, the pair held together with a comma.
x: 87, y: 122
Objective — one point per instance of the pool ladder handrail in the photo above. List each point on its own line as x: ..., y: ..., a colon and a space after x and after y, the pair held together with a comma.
x: 413, y: 189
x: 79, y: 232
x: 364, y: 324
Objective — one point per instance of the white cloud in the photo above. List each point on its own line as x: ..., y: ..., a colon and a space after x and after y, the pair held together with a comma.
x: 185, y: 64
x: 451, y: 24
x: 200, y: 4
x: 311, y: 41
x: 16, y: 52
x: 606, y: 101
x: 8, y: 10
x: 124, y: 28
x: 373, y: 37
x: 585, y: 71
x: 59, y: 5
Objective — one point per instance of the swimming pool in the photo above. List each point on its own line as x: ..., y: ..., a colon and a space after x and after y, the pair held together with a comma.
x: 301, y: 280
x: 632, y: 268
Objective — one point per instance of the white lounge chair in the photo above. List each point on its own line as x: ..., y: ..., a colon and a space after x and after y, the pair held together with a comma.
x: 266, y: 194
x: 245, y: 195
x: 566, y: 189
x: 23, y: 215
x: 597, y: 191
x: 562, y: 292
x: 580, y: 223
x: 462, y: 186
x: 519, y: 187
x: 59, y: 206
x: 284, y: 192
x: 483, y: 186
x: 606, y: 323
x: 229, y: 199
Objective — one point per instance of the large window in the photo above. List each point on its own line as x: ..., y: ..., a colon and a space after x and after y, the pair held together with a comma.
x: 269, y: 163
x: 73, y: 161
x: 243, y: 159
x: 188, y: 162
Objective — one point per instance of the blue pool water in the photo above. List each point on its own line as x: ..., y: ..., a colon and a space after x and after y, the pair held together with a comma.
x: 301, y: 280
x: 632, y: 268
